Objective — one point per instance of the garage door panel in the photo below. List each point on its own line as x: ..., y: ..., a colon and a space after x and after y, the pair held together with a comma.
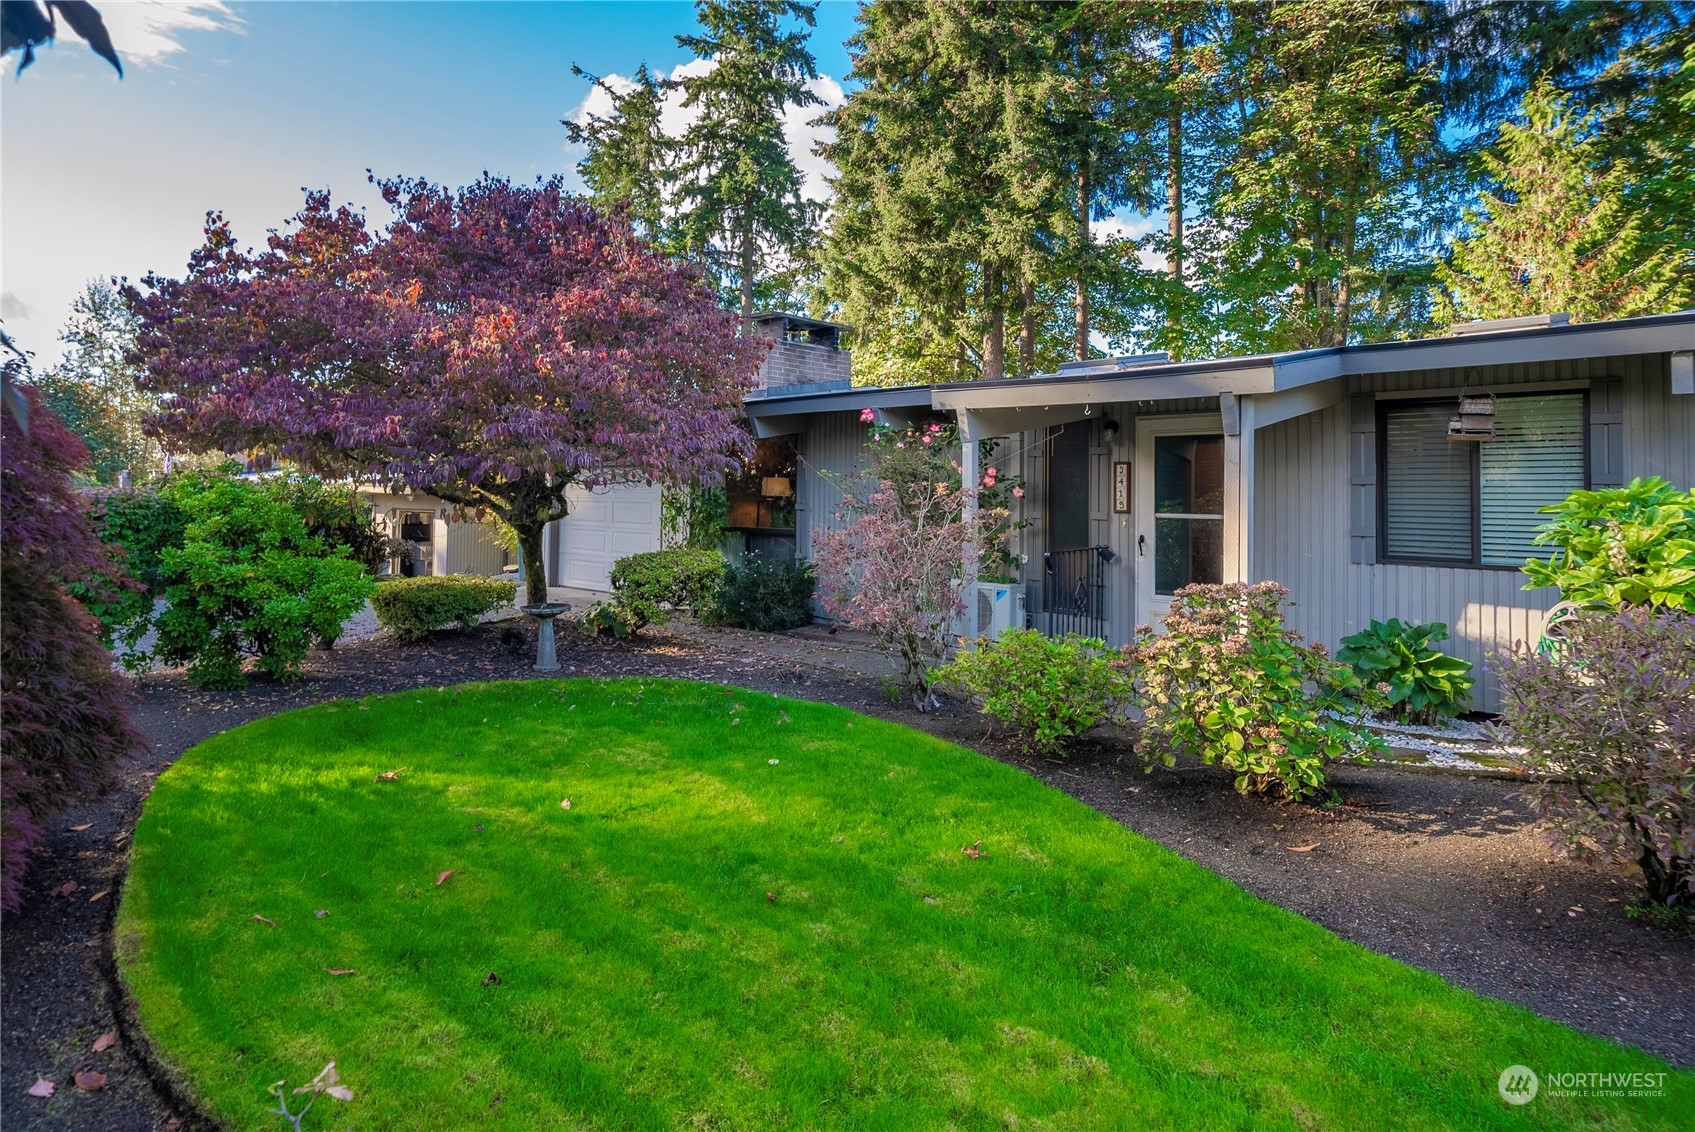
x: 604, y: 526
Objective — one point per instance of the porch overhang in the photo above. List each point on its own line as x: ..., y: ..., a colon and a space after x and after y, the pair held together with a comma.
x: 783, y: 416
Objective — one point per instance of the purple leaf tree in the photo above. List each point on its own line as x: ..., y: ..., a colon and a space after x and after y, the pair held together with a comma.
x: 492, y: 346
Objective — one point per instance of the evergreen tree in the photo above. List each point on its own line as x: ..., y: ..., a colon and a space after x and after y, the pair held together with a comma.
x: 629, y: 160
x: 1560, y: 233
x: 737, y: 190
x: 93, y: 387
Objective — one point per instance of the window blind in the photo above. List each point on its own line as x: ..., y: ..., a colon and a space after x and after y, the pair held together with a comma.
x: 1535, y: 460
x: 1427, y: 486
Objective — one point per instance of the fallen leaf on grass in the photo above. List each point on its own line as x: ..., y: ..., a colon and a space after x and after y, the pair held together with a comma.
x: 42, y: 1088
x: 98, y: 895
x: 321, y: 913
x: 390, y: 775
x: 89, y: 1081
x: 80, y: 828
x: 105, y: 1041
x: 972, y: 850
x: 771, y: 896
x: 67, y: 888
x: 497, y: 1099
x: 490, y: 979
x: 1301, y: 848
x: 267, y: 922
x: 441, y: 878
x: 338, y: 970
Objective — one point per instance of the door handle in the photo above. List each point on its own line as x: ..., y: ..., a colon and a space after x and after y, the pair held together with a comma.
x: 1141, y: 545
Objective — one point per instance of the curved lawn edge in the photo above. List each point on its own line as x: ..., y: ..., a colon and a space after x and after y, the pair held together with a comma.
x: 1175, y: 1015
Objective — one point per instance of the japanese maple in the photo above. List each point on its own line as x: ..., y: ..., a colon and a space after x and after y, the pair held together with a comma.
x: 492, y: 346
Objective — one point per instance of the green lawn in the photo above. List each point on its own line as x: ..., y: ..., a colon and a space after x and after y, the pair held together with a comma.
x: 755, y: 914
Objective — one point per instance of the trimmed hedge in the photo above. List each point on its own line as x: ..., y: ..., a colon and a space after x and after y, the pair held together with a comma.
x: 682, y: 578
x: 413, y: 608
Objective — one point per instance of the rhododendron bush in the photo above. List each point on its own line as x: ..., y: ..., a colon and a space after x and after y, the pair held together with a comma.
x: 1605, y: 725
x: 1228, y: 684
x: 902, y: 568
x: 492, y: 346
x: 64, y: 720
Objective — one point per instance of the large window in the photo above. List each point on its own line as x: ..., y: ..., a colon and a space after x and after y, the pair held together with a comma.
x: 1188, y: 511
x: 1475, y: 503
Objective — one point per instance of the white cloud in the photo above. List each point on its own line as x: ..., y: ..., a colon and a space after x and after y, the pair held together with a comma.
x: 14, y: 309
x: 1131, y: 230
x: 799, y: 131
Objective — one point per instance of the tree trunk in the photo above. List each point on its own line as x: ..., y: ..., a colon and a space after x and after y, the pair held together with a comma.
x: 1085, y: 251
x: 1174, y: 180
x: 1026, y: 328
x: 535, y: 562
x: 994, y: 338
x: 747, y: 279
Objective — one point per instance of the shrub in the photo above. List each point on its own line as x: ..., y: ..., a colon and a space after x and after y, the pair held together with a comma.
x: 413, y: 608
x: 140, y: 524
x: 1048, y: 690
x: 334, y: 513
x: 1229, y: 684
x: 66, y: 718
x: 1631, y: 545
x: 763, y: 595
x: 682, y: 578
x: 249, y: 579
x: 1421, y: 683
x: 1605, y: 726
x: 608, y: 618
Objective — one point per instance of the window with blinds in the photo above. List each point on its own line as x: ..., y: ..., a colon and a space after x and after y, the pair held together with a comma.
x: 1477, y: 503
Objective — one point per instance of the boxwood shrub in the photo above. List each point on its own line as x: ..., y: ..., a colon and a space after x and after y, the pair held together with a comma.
x: 413, y: 608
x: 681, y: 578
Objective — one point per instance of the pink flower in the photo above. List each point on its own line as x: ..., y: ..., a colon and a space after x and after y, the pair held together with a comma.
x: 866, y: 416
x: 1018, y: 493
x: 900, y: 444
x: 928, y: 439
x: 990, y: 471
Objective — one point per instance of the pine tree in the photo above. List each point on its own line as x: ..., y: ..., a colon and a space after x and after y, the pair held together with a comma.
x: 737, y: 190
x: 629, y: 160
x: 1560, y: 233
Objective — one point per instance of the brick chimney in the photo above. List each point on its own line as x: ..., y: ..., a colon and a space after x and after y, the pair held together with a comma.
x: 807, y: 357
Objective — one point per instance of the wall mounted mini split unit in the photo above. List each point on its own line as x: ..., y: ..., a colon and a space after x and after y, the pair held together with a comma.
x: 1000, y: 606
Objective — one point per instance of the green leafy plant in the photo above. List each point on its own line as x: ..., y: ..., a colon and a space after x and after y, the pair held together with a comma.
x: 1622, y: 546
x: 694, y: 517
x: 764, y: 595
x: 1421, y: 683
x: 1605, y: 726
x: 1228, y: 684
x: 652, y: 584
x: 610, y: 619
x: 138, y: 526
x: 413, y: 608
x: 1049, y: 690
x: 249, y: 579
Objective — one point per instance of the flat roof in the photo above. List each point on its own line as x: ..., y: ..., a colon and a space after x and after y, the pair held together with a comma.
x: 1141, y: 378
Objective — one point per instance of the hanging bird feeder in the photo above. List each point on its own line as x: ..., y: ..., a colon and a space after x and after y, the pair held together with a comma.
x: 1475, y: 420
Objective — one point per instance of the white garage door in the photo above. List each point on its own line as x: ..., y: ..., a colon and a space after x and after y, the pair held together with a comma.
x: 605, y: 525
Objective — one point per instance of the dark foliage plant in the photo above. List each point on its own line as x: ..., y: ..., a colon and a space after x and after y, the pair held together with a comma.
x: 764, y: 595
x: 1604, y: 724
x: 64, y: 713
x: 413, y: 608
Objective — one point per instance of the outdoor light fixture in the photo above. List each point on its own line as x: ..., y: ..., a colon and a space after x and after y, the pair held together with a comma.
x: 1107, y: 554
x: 1683, y: 371
x: 1109, y: 431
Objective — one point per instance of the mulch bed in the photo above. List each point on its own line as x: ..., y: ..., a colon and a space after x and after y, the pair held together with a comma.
x: 1443, y: 872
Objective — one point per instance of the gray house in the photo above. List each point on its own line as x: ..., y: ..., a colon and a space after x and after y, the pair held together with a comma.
x: 1332, y: 471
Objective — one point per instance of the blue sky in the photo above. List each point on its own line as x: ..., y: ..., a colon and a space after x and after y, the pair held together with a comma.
x: 238, y: 106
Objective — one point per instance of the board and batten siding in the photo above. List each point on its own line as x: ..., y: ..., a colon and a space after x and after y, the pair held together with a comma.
x: 833, y: 445
x: 1316, y: 512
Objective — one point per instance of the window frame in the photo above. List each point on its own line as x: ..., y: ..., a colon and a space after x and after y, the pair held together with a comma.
x: 1387, y: 405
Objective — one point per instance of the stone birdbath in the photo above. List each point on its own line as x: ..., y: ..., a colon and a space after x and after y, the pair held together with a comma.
x: 547, y: 655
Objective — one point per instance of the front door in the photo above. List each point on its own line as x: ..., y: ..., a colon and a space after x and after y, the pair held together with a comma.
x: 1179, y: 507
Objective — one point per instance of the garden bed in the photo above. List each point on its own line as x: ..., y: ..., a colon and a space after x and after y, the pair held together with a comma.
x: 1444, y: 872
